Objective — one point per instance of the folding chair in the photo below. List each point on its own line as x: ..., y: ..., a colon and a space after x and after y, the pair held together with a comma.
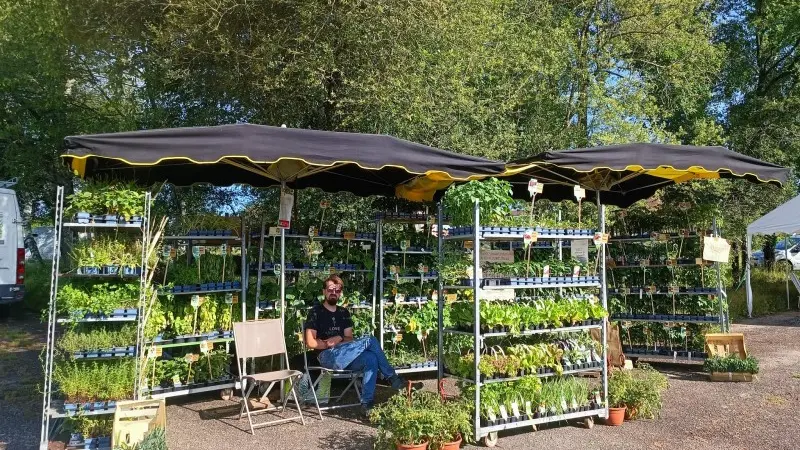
x: 254, y: 340
x: 355, y: 378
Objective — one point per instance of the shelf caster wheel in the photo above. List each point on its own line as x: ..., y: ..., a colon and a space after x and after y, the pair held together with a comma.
x: 226, y: 394
x: 533, y: 428
x: 588, y: 422
x: 490, y: 440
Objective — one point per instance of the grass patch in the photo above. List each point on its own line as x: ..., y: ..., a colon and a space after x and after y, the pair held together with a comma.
x: 775, y: 400
x: 37, y: 285
x: 13, y: 339
x: 769, y: 294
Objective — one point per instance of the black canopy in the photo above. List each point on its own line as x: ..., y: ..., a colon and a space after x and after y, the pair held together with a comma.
x: 259, y: 155
x: 627, y: 173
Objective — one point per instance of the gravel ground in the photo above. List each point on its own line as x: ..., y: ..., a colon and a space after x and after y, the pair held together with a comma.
x: 697, y: 414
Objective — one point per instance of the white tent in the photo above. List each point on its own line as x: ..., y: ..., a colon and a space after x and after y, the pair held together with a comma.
x: 783, y: 219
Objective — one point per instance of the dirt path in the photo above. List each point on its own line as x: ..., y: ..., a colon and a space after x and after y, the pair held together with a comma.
x: 697, y: 414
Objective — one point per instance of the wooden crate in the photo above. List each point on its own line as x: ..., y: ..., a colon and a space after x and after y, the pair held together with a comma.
x: 134, y: 419
x: 724, y: 344
x: 731, y: 376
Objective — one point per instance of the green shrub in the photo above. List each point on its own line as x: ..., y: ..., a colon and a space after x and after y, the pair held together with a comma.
x: 37, y: 285
x: 639, y: 390
x: 769, y: 294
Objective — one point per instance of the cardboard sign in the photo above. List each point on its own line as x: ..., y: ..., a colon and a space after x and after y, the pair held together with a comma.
x: 450, y: 298
x: 497, y: 256
x: 349, y: 235
x: 285, y: 212
x: 534, y: 187
x: 580, y: 250
x: 274, y: 231
x: 579, y: 192
x: 324, y: 204
x: 206, y: 346
x: 468, y: 244
x: 716, y: 249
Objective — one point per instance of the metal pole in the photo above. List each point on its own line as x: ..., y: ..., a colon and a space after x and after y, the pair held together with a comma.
x: 142, y: 296
x: 245, y: 272
x: 379, y: 275
x: 601, y: 211
x: 720, y: 291
x: 375, y: 280
x: 440, y: 296
x: 51, y: 321
x: 789, y: 266
x: 477, y: 317
x: 260, y: 266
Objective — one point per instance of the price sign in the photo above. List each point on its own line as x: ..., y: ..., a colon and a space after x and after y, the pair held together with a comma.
x: 644, y: 262
x: 312, y: 231
x: 398, y: 337
x: 598, y: 239
x: 626, y: 290
x: 196, y: 251
x: 366, y: 246
x: 663, y: 237
x: 546, y: 271
x: 324, y: 204
x: 206, y: 346
x: 235, y: 298
x: 534, y: 187
x: 468, y: 244
x: 155, y: 352
x: 651, y: 289
x: 400, y: 298
x: 673, y: 289
x: 229, y: 298
x: 191, y: 357
x: 349, y: 235
x: 195, y: 301
x: 172, y: 253
x: 529, y: 237
x: 672, y: 262
x: 276, y: 269
x: 421, y: 268
x: 331, y: 270
x: 450, y: 298
x: 579, y: 192
x: 274, y: 231
x: 654, y: 236
x: 223, y: 248
x: 404, y: 244
x: 176, y: 381
x: 202, y: 250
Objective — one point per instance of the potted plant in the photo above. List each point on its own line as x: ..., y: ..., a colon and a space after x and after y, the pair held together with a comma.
x: 618, y: 384
x: 406, y: 422
x: 731, y: 368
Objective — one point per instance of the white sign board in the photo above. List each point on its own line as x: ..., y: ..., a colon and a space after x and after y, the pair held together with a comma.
x: 285, y: 214
x: 580, y: 250
x: 716, y: 249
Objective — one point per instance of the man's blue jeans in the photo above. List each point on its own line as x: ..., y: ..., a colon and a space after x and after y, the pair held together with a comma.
x: 361, y: 355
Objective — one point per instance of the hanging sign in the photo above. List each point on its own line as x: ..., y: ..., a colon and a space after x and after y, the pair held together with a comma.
x: 285, y: 213
x: 579, y: 192
x: 716, y: 249
x: 534, y: 187
x: 580, y: 250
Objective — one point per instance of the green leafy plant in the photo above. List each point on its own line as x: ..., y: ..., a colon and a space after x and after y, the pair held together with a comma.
x: 731, y: 363
x: 97, y: 337
x: 494, y: 196
x: 95, y: 381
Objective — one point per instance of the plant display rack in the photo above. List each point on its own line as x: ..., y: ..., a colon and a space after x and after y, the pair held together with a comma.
x: 661, y: 257
x: 415, y: 270
x: 487, y: 429
x: 87, y: 228
x: 191, y: 354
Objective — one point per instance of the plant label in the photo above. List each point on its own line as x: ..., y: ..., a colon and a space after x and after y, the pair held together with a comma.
x: 366, y: 246
x: 172, y: 253
x: 285, y: 211
x: 597, y: 399
x: 176, y: 381
x: 576, y: 271
x: 490, y: 413
x: 206, y: 346
x: 167, y: 251
x: 338, y: 228
x: 716, y: 249
x: 671, y: 262
x: 673, y: 289
x: 392, y: 269
x: 195, y: 301
x: 331, y: 270
x: 503, y: 412
x: 229, y: 298
x: 155, y: 352
x: 528, y: 408
x: 497, y: 256
x: 534, y: 187
x: 324, y: 204
x: 223, y: 248
x: 699, y: 261
x: 312, y: 231
x: 652, y: 289
x: 598, y: 239
x: 654, y: 236
x: 349, y: 235
x: 276, y: 269
x: 644, y: 262
x: 202, y: 250
x: 469, y: 244
x: 579, y: 250
x: 622, y: 213
x: 274, y: 231
x: 421, y: 268
x: 626, y: 290
x: 399, y: 298
x: 685, y: 233
x: 515, y: 409
x: 195, y: 251
x: 579, y: 192
x: 546, y: 271
x: 450, y: 298
x: 398, y: 337
x: 404, y: 244
x: 191, y: 357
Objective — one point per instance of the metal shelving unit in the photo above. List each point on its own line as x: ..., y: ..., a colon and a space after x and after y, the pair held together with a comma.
x: 51, y: 409
x: 380, y: 269
x: 477, y: 234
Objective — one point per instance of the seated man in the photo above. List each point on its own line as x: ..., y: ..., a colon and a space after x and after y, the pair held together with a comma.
x: 329, y: 328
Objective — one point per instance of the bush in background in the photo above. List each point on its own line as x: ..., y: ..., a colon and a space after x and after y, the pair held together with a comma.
x: 37, y: 285
x: 769, y: 294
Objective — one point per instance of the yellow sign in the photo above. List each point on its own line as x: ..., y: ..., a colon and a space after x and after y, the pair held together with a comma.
x: 450, y: 298
x: 468, y: 244
x: 349, y: 235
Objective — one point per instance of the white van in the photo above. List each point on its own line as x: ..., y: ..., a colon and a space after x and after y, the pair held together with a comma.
x: 12, y: 247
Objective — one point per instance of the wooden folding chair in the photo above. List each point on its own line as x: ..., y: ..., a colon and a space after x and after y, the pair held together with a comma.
x: 254, y: 340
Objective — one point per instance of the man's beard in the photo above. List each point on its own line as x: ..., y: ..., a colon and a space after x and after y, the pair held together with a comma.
x: 332, y: 300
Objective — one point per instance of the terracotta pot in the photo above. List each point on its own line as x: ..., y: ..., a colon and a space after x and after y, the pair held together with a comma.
x: 616, y: 416
x: 455, y: 445
x: 423, y: 446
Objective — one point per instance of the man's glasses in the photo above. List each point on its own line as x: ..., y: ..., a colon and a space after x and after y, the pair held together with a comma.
x: 335, y: 290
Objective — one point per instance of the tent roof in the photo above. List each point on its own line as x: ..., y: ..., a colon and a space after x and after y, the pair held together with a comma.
x: 627, y: 173
x: 783, y: 219
x: 260, y: 155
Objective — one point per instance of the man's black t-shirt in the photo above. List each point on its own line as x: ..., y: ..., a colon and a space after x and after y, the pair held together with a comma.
x: 328, y: 324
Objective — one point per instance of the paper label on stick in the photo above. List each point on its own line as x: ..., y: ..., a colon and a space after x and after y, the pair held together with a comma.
x: 528, y: 408
x: 534, y: 187
x: 155, y: 352
x: 349, y: 235
x: 644, y: 262
x: 576, y: 271
x: 503, y: 412
x: 580, y: 250
x: 235, y: 299
x: 699, y: 261
x: 324, y: 204
x: 546, y: 271
x: 673, y: 289
x: 579, y: 192
x: 515, y: 409
x: 191, y: 357
x: 285, y: 213
x: 176, y: 381
x: 468, y: 244
x: 223, y: 248
x: 167, y: 252
x: 400, y: 298
x: 195, y: 301
x: 229, y: 298
x: 312, y: 231
x: 684, y: 206
x: 716, y: 249
x: 404, y: 244
x: 206, y: 346
x: 274, y: 231
x: 450, y: 298
x: 195, y: 251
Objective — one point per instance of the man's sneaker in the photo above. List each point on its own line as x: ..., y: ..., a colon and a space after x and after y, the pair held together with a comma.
x: 401, y: 383
x: 366, y: 409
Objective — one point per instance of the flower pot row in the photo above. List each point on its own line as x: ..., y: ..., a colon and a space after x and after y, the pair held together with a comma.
x: 515, y: 231
x: 90, y: 406
x: 171, y: 388
x: 543, y: 371
x: 77, y: 440
x: 661, y: 262
x: 408, y: 249
x: 525, y: 328
x: 664, y: 290
x: 84, y: 217
x: 218, y: 286
x: 111, y: 269
x: 666, y: 317
x: 417, y: 365
x: 663, y: 352
x: 180, y: 339
x: 540, y: 413
x: 118, y: 313
x: 115, y: 352
x: 210, y: 233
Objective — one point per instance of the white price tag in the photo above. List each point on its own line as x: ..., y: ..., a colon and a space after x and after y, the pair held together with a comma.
x: 503, y: 412
x: 546, y: 271
x: 515, y: 409
x: 579, y: 192
x: 195, y: 301
x: 534, y: 187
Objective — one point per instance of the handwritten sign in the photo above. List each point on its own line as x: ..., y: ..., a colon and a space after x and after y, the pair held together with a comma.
x: 716, y: 249
x: 534, y: 187
x: 274, y: 231
x: 579, y: 192
x: 497, y: 256
x: 349, y: 235
x: 580, y: 250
